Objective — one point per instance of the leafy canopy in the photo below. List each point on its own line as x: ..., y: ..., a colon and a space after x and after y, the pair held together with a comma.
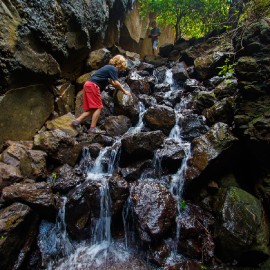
x: 190, y: 18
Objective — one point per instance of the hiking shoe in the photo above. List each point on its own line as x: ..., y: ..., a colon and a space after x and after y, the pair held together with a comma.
x: 95, y: 131
x: 75, y: 124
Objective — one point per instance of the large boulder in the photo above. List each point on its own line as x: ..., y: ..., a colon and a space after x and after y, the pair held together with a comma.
x: 82, y: 206
x: 160, y: 117
x: 37, y: 195
x: 32, y: 105
x: 140, y: 146
x: 242, y: 231
x: 154, y: 208
x: 208, y: 150
x: 117, y: 125
x: 31, y: 163
x: 18, y: 229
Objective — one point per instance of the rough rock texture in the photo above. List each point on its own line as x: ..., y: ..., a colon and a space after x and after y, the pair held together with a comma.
x: 18, y: 228
x: 155, y: 209
x: 23, y: 111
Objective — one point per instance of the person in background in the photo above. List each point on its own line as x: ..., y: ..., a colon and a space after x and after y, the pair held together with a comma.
x: 154, y: 34
x: 92, y: 102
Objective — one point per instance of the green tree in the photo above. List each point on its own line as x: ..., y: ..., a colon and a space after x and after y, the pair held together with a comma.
x: 188, y: 17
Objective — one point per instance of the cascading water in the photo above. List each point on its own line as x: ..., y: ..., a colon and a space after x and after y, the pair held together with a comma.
x: 104, y: 252
x: 177, y: 180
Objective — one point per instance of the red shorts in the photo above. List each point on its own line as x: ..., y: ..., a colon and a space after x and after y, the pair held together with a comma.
x: 91, y: 96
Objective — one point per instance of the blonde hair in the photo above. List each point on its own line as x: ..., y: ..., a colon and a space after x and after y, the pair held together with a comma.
x: 119, y: 62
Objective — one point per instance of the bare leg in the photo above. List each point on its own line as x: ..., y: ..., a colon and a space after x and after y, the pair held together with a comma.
x: 84, y: 115
x: 95, y: 116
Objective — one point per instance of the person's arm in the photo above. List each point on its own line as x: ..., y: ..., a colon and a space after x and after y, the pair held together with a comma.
x: 119, y: 86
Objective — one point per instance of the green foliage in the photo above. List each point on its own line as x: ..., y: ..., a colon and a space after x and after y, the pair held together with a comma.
x: 54, y: 177
x: 182, y: 204
x: 255, y: 10
x: 226, y: 69
x: 190, y: 18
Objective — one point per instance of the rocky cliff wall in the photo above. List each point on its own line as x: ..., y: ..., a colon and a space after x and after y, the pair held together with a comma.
x: 43, y: 41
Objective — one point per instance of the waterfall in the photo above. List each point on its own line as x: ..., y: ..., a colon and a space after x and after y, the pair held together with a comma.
x: 103, y: 250
x: 139, y: 125
x: 53, y: 239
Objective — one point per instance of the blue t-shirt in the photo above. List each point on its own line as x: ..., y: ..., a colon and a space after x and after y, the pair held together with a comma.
x: 101, y: 77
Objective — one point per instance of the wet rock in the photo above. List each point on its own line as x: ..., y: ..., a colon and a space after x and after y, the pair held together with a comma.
x: 64, y: 179
x: 213, y: 82
x: 159, y: 253
x: 140, y: 87
x: 59, y: 146
x: 154, y: 208
x: 242, y: 232
x: 160, y: 73
x: 103, y: 140
x: 196, y: 239
x: 117, y: 125
x: 191, y: 84
x: 133, y: 171
x: 140, y: 146
x: 147, y: 67
x: 94, y: 149
x: 151, y: 80
x: 170, y: 156
x: 147, y: 101
x: 226, y: 88
x: 127, y: 105
x: 9, y: 175
x: 31, y: 163
x: 208, y: 149
x: 206, y: 66
x: 179, y: 72
x: 193, y: 126
x: 184, y: 265
x: 134, y: 76
x: 221, y: 111
x: 160, y: 117
x: 205, y: 100
x: 18, y: 229
x: 82, y: 205
x: 119, y: 192
x: 162, y: 87
x: 37, y: 195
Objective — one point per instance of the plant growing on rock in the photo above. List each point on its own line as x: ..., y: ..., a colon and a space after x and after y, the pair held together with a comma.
x: 227, y: 69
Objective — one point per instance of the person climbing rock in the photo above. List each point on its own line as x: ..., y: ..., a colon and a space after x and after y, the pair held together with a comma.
x: 92, y: 102
x: 154, y: 34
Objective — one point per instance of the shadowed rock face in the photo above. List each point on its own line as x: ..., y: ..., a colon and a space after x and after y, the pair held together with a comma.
x: 140, y: 146
x: 41, y: 37
x: 18, y: 228
x: 208, y: 148
x: 242, y: 227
